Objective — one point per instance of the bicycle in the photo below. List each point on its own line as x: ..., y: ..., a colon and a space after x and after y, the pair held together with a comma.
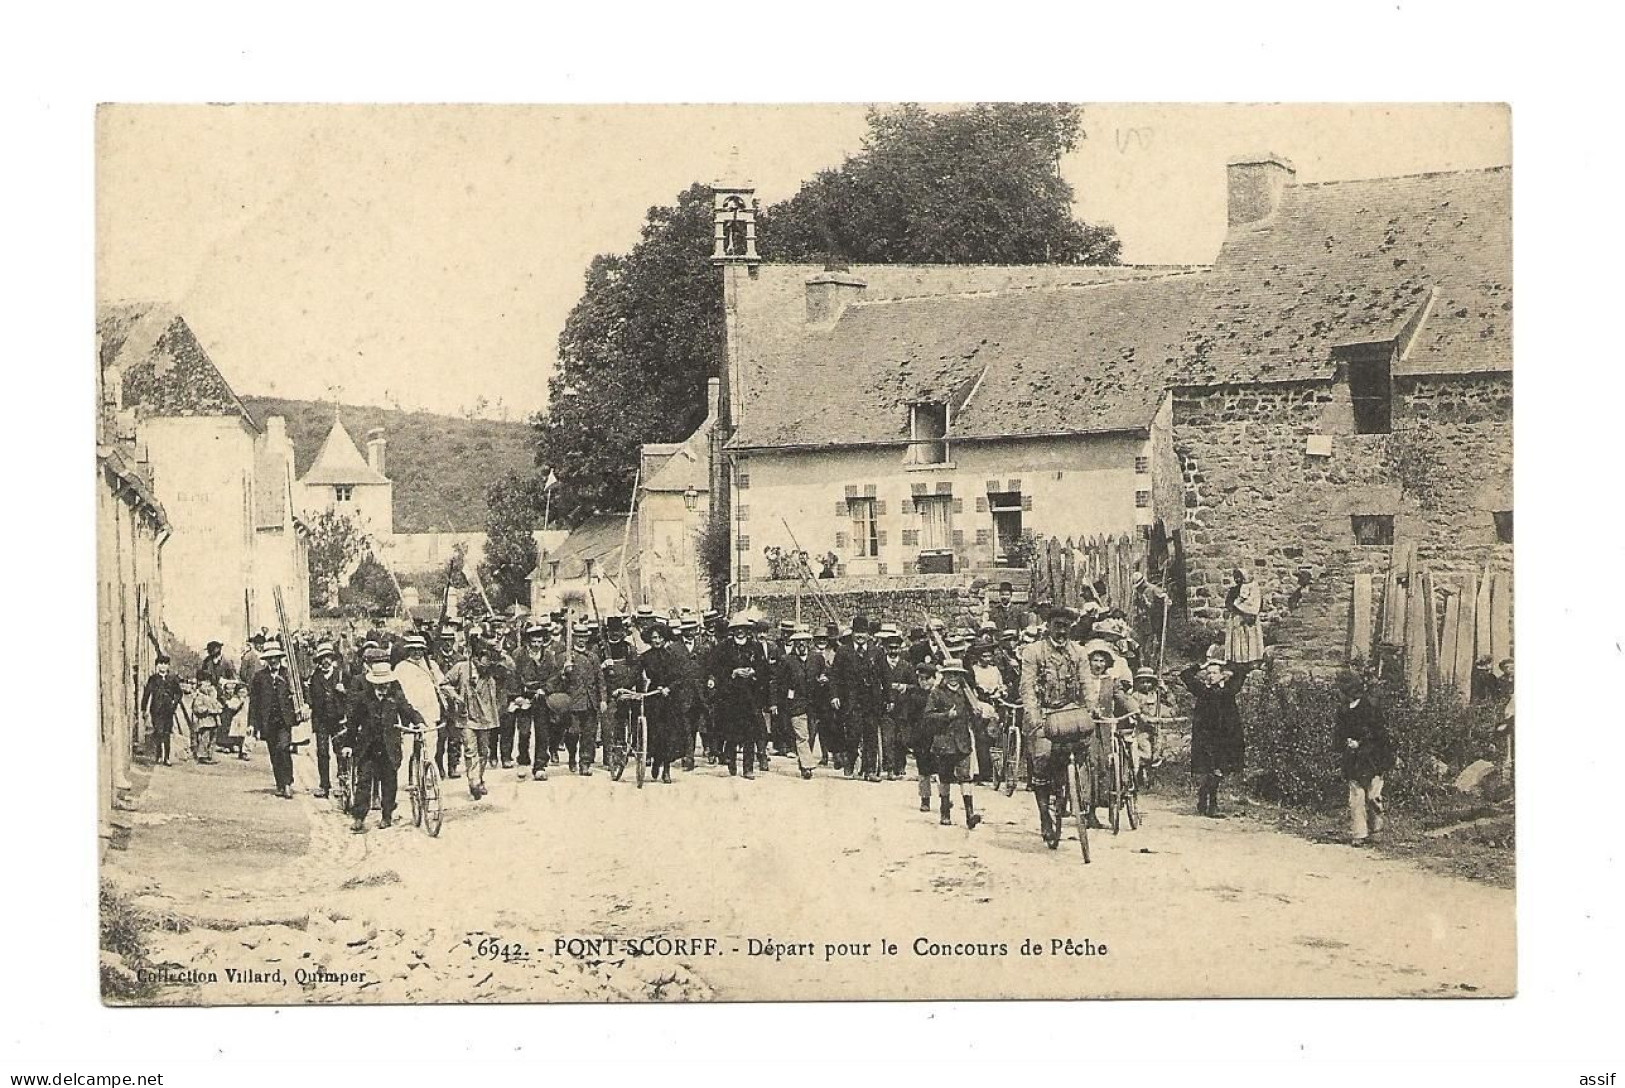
x: 1071, y: 783
x: 1122, y: 793
x: 632, y: 746
x: 423, y: 788
x: 1007, y: 755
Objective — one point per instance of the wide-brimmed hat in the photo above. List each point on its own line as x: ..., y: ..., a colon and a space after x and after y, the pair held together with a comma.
x: 801, y: 634
x: 1100, y: 646
x: 688, y: 625
x: 272, y: 650
x: 889, y: 632
x: 1113, y: 628
x: 644, y: 612
x: 415, y: 642
x: 324, y: 649
x: 378, y: 668
x: 580, y: 629
x: 1145, y: 672
x: 1009, y: 634
x: 786, y: 626
x: 537, y: 630
x: 953, y: 667
x: 741, y: 623
x: 829, y: 633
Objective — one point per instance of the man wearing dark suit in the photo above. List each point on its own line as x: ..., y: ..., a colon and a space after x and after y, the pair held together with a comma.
x: 860, y: 698
x: 272, y: 714
x: 372, y: 738
x: 739, y: 679
x: 328, y: 695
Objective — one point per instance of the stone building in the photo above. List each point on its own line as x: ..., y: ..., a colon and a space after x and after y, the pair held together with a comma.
x: 1333, y: 391
x: 918, y: 421
x: 226, y: 485
x: 340, y: 479
x: 131, y: 530
x: 673, y: 508
x: 1346, y: 390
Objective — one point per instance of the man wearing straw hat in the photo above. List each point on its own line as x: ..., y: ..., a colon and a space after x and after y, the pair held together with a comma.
x: 739, y: 679
x: 372, y: 737
x: 420, y: 680
x: 794, y: 683
x: 328, y: 696
x: 272, y: 714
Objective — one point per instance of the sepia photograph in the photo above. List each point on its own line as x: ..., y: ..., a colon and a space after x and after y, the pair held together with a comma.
x: 847, y: 552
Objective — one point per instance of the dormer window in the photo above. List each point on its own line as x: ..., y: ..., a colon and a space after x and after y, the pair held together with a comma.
x: 1371, y: 389
x: 928, y: 430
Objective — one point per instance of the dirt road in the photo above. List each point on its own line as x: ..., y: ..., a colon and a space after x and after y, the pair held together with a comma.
x: 1184, y: 906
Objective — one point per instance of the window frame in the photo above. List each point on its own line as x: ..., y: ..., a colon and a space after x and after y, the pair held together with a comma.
x: 1380, y: 522
x: 1374, y: 407
x: 920, y: 449
x: 924, y: 503
x: 865, y: 515
x: 344, y: 493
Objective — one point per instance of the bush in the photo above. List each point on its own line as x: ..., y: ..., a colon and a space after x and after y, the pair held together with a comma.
x: 1289, y: 723
x: 122, y: 926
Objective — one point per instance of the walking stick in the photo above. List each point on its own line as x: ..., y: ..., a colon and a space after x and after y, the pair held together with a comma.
x: 1162, y: 640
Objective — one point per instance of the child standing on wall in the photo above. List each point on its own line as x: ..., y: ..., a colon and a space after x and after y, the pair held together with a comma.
x: 1362, y: 743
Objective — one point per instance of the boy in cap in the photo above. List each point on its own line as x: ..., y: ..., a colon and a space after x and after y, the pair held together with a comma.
x: 950, y: 718
x: 160, y: 698
x: 372, y: 737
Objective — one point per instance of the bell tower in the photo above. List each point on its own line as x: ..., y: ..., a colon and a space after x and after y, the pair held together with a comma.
x: 733, y: 214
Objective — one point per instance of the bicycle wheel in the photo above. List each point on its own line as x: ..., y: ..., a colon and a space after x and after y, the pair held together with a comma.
x: 1114, y: 788
x: 1012, y: 752
x: 1080, y: 809
x: 643, y: 749
x: 1131, y: 789
x: 430, y: 789
x: 615, y: 757
x: 341, y: 789
x: 414, y: 793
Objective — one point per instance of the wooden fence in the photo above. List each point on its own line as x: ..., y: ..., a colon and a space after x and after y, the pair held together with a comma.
x: 1437, y: 651
x: 1095, y: 568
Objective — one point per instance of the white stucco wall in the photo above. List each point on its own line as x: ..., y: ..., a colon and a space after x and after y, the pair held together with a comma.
x: 203, y: 474
x: 1076, y: 486
x: 669, y: 572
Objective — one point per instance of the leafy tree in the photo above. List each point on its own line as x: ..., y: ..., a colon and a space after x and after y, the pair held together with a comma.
x: 371, y: 591
x: 974, y: 185
x: 335, y: 542
x: 514, y: 511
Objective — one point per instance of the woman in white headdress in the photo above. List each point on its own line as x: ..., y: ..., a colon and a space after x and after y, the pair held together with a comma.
x: 1243, y: 636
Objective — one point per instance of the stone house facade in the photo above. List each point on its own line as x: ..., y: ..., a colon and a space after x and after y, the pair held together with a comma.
x: 1348, y: 392
x: 226, y: 486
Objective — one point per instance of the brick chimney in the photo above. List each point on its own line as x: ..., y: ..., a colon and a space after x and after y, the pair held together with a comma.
x: 375, y: 450
x: 829, y: 294
x: 1255, y: 183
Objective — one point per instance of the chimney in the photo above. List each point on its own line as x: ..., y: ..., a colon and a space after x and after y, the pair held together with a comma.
x: 829, y: 294
x: 375, y: 450
x: 276, y: 430
x: 1255, y: 183
x: 713, y: 398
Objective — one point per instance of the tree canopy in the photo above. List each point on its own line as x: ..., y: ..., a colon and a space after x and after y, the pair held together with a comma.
x: 514, y: 505
x: 978, y: 185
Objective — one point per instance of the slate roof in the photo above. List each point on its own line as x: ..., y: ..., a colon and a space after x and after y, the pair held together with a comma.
x: 339, y: 461
x: 1065, y: 360
x: 1424, y: 260
x: 1351, y: 262
x: 165, y: 370
x: 599, y: 538
x: 683, y: 465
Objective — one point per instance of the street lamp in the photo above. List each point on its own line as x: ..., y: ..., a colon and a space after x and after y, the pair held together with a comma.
x: 691, y: 498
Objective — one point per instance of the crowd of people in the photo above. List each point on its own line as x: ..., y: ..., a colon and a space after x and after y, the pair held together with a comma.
x: 861, y: 700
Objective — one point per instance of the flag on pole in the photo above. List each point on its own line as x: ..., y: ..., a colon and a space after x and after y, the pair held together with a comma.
x: 552, y: 481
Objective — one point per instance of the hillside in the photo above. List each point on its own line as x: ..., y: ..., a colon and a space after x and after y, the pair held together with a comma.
x: 441, y: 465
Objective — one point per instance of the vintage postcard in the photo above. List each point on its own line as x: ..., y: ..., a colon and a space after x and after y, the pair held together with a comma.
x: 845, y: 552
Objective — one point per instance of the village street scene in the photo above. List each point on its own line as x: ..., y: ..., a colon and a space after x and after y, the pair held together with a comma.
x: 803, y: 553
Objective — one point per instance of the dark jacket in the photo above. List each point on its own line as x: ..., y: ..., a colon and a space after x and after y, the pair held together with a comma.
x: 327, y: 698
x: 1217, y: 740
x: 372, y: 724
x: 215, y: 670
x: 793, y: 683
x: 271, y: 710
x: 860, y: 681
x: 740, y: 695
x: 161, y: 696
x: 948, y: 721
x: 1363, y: 723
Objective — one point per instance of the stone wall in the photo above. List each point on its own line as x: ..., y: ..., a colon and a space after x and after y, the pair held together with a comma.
x: 905, y: 601
x: 1257, y: 496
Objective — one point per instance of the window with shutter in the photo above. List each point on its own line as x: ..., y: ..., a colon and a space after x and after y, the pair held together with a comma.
x: 865, y: 530
x: 936, y: 522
